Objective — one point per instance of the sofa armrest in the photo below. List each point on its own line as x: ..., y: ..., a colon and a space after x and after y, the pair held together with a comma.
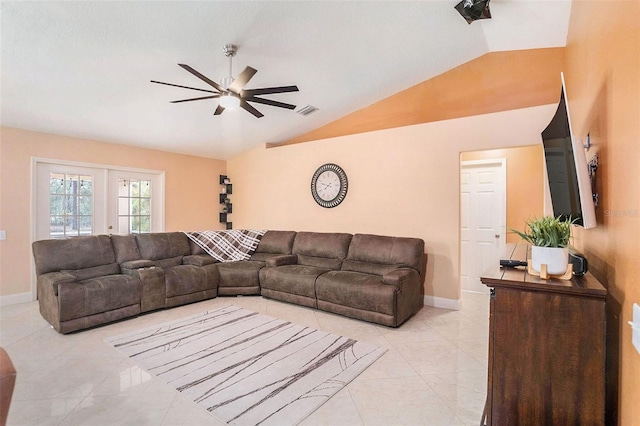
x: 137, y: 264
x: 52, y: 280
x: 288, y: 259
x: 399, y: 278
x: 152, y: 286
x: 198, y: 260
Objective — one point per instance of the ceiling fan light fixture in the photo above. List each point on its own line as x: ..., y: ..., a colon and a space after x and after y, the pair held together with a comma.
x: 229, y: 101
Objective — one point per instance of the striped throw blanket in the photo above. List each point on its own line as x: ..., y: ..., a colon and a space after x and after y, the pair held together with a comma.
x: 229, y: 245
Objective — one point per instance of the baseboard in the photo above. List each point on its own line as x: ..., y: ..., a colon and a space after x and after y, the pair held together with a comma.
x: 14, y: 299
x: 441, y: 302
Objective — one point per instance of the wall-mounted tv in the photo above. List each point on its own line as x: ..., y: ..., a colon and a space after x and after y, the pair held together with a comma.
x: 567, y: 170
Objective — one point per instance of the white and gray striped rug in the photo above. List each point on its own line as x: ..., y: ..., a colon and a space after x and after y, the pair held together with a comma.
x: 247, y: 368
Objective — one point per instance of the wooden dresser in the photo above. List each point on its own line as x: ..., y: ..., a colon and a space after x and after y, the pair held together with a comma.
x: 546, y: 350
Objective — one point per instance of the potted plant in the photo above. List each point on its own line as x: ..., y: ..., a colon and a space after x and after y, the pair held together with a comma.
x: 549, y: 237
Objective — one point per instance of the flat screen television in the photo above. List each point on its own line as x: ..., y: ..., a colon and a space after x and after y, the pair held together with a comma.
x: 567, y: 170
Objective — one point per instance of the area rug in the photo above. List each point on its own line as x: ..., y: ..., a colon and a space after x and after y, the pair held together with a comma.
x: 247, y: 368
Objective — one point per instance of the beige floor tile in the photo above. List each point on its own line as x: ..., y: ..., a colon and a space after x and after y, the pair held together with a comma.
x: 390, y: 365
x: 127, y: 378
x: 340, y: 406
x: 41, y: 412
x: 436, y: 357
x: 121, y: 410
x: 183, y: 412
x: 406, y: 400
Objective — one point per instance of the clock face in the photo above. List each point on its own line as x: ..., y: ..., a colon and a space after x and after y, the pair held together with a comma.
x: 329, y: 185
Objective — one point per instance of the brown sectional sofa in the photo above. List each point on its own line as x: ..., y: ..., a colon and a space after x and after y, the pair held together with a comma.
x: 88, y: 281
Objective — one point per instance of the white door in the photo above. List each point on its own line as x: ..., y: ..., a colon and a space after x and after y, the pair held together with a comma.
x: 482, y: 219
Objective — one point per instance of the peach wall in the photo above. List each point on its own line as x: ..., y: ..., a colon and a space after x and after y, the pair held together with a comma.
x: 191, y: 187
x: 402, y: 181
x: 603, y: 89
x: 524, y: 183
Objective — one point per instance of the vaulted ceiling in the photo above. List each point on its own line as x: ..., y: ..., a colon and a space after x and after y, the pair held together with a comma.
x: 83, y: 69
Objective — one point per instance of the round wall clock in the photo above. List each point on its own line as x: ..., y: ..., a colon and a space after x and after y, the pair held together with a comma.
x: 329, y: 185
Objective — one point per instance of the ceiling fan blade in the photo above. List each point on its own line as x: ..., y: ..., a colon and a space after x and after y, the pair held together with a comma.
x: 202, y: 77
x: 268, y: 90
x: 242, y: 79
x: 219, y: 110
x: 270, y: 102
x: 183, y: 87
x: 250, y: 109
x: 196, y: 99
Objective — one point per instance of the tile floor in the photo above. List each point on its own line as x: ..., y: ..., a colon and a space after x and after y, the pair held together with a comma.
x: 434, y: 372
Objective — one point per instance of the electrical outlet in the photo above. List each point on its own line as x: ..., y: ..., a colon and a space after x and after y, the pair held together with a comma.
x: 635, y: 325
x: 3, y: 234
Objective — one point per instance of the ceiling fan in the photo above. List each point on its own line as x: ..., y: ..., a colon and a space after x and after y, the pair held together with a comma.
x: 232, y: 93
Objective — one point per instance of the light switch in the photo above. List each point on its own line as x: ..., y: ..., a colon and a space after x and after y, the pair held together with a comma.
x: 635, y: 325
x: 3, y: 234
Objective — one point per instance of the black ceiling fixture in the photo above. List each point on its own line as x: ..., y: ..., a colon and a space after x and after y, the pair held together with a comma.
x: 472, y: 10
x: 231, y: 94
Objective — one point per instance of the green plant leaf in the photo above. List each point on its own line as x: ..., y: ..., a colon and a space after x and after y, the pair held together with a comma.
x: 547, y: 231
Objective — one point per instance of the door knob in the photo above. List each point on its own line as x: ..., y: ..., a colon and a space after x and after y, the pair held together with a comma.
x: 497, y: 236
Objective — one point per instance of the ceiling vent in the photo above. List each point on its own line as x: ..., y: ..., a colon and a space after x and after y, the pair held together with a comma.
x: 309, y: 109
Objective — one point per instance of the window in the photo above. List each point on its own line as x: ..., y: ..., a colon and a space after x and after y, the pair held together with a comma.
x: 134, y: 206
x: 70, y: 205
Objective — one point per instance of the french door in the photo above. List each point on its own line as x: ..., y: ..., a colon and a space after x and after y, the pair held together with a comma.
x: 75, y: 200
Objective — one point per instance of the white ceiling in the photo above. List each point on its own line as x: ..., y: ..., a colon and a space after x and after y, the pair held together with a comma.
x: 82, y: 69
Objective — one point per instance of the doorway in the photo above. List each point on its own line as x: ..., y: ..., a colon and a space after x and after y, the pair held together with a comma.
x: 482, y: 219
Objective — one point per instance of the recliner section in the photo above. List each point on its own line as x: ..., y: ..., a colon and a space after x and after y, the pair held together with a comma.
x: 294, y: 279
x: 80, y: 284
x: 88, y: 281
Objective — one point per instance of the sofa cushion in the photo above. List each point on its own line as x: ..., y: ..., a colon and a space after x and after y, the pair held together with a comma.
x: 357, y: 290
x: 96, y: 271
x: 97, y: 295
x: 279, y: 242
x: 72, y: 253
x: 321, y: 250
x: 186, y: 279
x: 166, y: 245
x: 294, y: 279
x: 125, y: 247
x: 239, y: 274
x: 376, y: 254
x: 368, y: 267
x: 198, y: 260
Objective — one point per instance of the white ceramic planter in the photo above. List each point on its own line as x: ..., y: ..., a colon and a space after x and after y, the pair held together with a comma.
x: 556, y: 259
